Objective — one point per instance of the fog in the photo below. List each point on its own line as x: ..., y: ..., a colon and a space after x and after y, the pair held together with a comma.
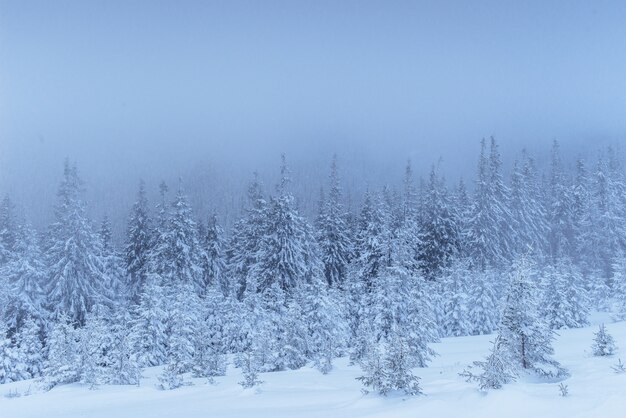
x: 211, y: 91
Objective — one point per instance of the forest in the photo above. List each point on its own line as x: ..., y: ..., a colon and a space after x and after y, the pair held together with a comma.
x: 520, y: 254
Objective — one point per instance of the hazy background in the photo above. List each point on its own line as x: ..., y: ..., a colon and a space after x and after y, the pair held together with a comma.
x: 212, y: 90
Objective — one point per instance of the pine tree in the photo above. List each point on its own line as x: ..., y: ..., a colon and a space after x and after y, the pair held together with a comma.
x: 489, y: 231
x: 30, y: 345
x: 496, y: 370
x: 138, y: 245
x: 527, y: 210
x: 170, y: 378
x: 75, y: 267
x: 387, y: 368
x: 333, y: 234
x: 524, y: 332
x: 211, y: 342
x: 183, y: 251
x: 94, y: 344
x: 12, y: 366
x: 565, y: 304
x: 483, y: 303
x: 8, y: 230
x: 327, y: 328
x: 123, y: 367
x: 439, y: 232
x: 286, y: 254
x: 214, y: 265
x: 183, y: 324
x: 603, y: 343
x: 148, y: 336
x: 61, y: 366
x: 113, y: 267
x: 456, y: 281
x: 25, y: 274
x: 561, y: 216
x: 244, y: 245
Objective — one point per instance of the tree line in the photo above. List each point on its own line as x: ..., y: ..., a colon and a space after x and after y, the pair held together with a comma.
x: 280, y: 291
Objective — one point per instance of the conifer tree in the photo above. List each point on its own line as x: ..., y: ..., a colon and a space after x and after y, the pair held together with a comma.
x: 148, y: 335
x: 333, y: 235
x: 244, y: 245
x: 496, y: 369
x: 74, y: 255
x: 12, y: 366
x: 286, y: 254
x: 525, y: 333
x: 138, y: 244
x: 565, y: 301
x: 61, y: 366
x: 439, y: 232
x: 214, y: 265
x: 25, y: 274
x: 456, y: 283
x: 29, y: 342
x: 603, y: 343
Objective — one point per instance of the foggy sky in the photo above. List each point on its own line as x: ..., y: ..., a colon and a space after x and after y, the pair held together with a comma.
x: 215, y: 89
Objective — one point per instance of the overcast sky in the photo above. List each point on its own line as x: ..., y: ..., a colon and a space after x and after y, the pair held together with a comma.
x: 155, y: 88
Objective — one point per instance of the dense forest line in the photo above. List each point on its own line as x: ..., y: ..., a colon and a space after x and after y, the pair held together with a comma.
x: 522, y: 256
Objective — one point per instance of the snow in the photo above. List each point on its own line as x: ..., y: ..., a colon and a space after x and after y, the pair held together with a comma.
x: 594, y: 390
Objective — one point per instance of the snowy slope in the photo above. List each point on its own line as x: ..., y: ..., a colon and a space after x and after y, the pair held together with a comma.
x: 595, y: 391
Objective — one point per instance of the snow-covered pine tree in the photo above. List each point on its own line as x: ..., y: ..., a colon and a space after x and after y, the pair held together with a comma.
x: 8, y: 230
x: 489, y: 230
x: 286, y: 254
x: 13, y: 366
x: 560, y: 209
x: 211, y: 342
x: 30, y: 345
x: 243, y: 247
x: 439, y: 231
x: 61, y: 366
x: 295, y: 339
x: 398, y: 362
x: 483, y: 302
x: 387, y: 367
x: 123, y: 367
x: 401, y: 304
x: 496, y: 369
x: 74, y: 255
x: 25, y: 273
x: 183, y: 250
x: 619, y: 287
x: 333, y: 234
x: 94, y: 345
x: 183, y: 325
x: 527, y: 210
x: 327, y: 328
x: 138, y: 244
x: 524, y: 331
x: 113, y: 267
x: 565, y: 301
x: 603, y: 343
x: 148, y: 336
x: 455, y: 284
x: 214, y: 262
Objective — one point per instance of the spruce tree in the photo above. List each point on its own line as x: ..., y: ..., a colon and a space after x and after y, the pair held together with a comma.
x: 603, y: 343
x: 138, y: 245
x: 213, y: 263
x: 76, y: 280
x: 439, y: 231
x: 333, y: 234
x: 525, y: 333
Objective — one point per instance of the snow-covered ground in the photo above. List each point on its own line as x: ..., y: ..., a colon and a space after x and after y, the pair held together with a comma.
x: 595, y: 390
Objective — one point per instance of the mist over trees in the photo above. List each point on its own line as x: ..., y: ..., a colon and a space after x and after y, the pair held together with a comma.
x: 376, y: 277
